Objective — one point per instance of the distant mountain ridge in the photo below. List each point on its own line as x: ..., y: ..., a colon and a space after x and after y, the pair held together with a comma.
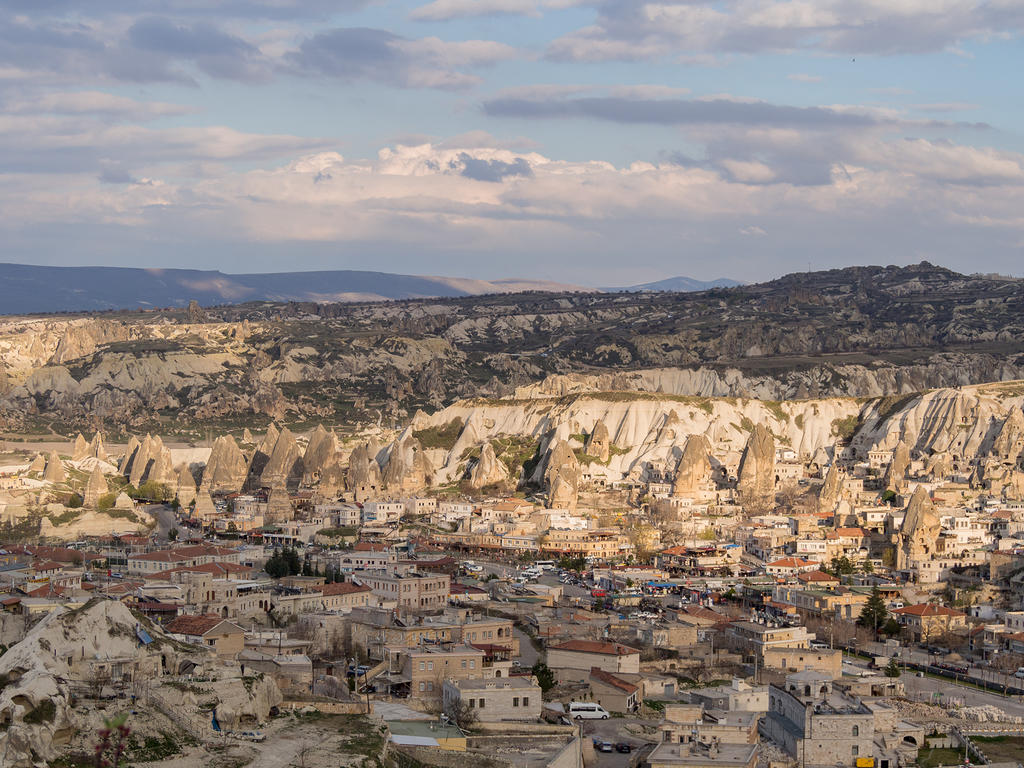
x: 26, y: 288
x: 681, y: 284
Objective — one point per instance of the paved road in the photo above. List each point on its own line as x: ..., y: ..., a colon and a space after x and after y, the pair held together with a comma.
x: 165, y: 519
x: 614, y: 730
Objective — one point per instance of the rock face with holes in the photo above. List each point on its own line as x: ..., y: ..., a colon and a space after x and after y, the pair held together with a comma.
x: 99, y: 644
x: 920, y: 530
x: 693, y: 473
x: 562, y: 476
x: 598, y: 442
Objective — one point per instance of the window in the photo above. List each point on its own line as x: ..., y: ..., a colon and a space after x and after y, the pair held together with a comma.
x: 463, y: 663
x: 430, y: 666
x: 855, y: 750
x: 423, y: 686
x: 430, y: 686
x: 526, y: 701
x: 515, y: 701
x: 472, y: 663
x: 856, y: 730
x: 481, y: 703
x: 472, y: 703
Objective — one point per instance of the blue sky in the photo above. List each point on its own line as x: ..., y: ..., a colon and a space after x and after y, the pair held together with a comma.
x: 594, y: 143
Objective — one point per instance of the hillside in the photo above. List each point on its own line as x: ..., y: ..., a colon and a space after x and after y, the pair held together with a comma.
x: 28, y: 289
x: 858, y: 332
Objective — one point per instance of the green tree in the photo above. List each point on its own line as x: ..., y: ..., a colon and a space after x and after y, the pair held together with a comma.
x: 172, y: 535
x: 841, y: 566
x: 867, y: 567
x: 545, y: 677
x: 892, y: 669
x: 75, y: 502
x: 874, y: 613
x: 891, y: 627
x: 106, y: 501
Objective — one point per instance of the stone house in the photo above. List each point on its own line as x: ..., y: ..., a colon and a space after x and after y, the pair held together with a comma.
x: 226, y: 638
x: 612, y: 692
x: 496, y: 700
x: 927, y: 622
x: 828, y: 661
x: 573, y: 661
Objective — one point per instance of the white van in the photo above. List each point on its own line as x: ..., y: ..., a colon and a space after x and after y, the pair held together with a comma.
x: 587, y: 710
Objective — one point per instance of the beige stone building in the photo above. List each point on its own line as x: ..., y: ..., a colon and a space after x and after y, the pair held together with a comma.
x: 573, y: 661
x: 496, y: 700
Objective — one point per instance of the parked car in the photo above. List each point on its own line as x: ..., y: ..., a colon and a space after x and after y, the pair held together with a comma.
x: 623, y: 747
x: 587, y: 710
x: 605, y: 746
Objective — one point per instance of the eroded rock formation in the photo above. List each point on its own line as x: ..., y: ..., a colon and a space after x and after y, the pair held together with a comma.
x: 756, y: 479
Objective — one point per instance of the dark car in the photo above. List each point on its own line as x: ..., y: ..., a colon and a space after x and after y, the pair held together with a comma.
x: 623, y: 747
x: 605, y: 746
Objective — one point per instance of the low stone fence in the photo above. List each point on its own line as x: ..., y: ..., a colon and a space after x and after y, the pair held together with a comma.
x: 326, y: 706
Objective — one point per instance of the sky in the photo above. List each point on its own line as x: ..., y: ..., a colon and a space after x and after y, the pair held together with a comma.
x: 591, y: 142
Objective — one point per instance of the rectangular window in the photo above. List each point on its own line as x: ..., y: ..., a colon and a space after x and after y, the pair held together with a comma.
x: 526, y: 701
x: 472, y: 703
x: 423, y: 686
x: 463, y: 663
x: 422, y: 666
x: 855, y: 750
x: 515, y: 701
x: 472, y: 663
x: 481, y: 703
x: 430, y: 686
x: 430, y: 666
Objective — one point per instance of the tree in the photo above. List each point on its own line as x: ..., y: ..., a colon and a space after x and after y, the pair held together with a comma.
x: 460, y: 713
x: 545, y: 677
x: 874, y: 613
x: 868, y: 567
x: 75, y: 502
x: 891, y: 627
x: 892, y: 669
x: 841, y: 566
x: 106, y: 501
x: 172, y: 535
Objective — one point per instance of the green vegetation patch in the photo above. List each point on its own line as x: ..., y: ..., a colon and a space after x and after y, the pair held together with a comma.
x: 338, y: 533
x: 440, y: 437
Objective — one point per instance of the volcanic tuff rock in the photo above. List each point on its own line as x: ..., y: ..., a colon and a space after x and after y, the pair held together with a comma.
x: 694, y: 469
x: 260, y: 457
x: 831, y: 489
x: 94, y: 488
x: 284, y: 467
x: 80, y: 449
x: 186, y: 490
x: 54, y: 469
x: 562, y: 476
x: 488, y: 470
x: 408, y: 468
x: 38, y: 463
x: 871, y: 331
x: 1009, y: 443
x: 364, y: 477
x: 598, y: 442
x: 896, y: 475
x: 320, y: 451
x: 756, y: 478
x: 226, y: 467
x: 921, y: 526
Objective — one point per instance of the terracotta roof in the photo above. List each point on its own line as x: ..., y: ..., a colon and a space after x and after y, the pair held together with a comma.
x: 791, y: 562
x: 343, y: 588
x: 595, y: 646
x: 816, y: 576
x: 927, y: 609
x: 195, y: 626
x: 47, y: 565
x: 161, y: 556
x: 214, y: 569
x: 369, y: 546
x: 596, y: 673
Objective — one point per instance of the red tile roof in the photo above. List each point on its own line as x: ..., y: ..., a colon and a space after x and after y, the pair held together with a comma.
x: 343, y: 588
x: 222, y: 570
x: 596, y: 673
x: 194, y: 626
x: 927, y: 609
